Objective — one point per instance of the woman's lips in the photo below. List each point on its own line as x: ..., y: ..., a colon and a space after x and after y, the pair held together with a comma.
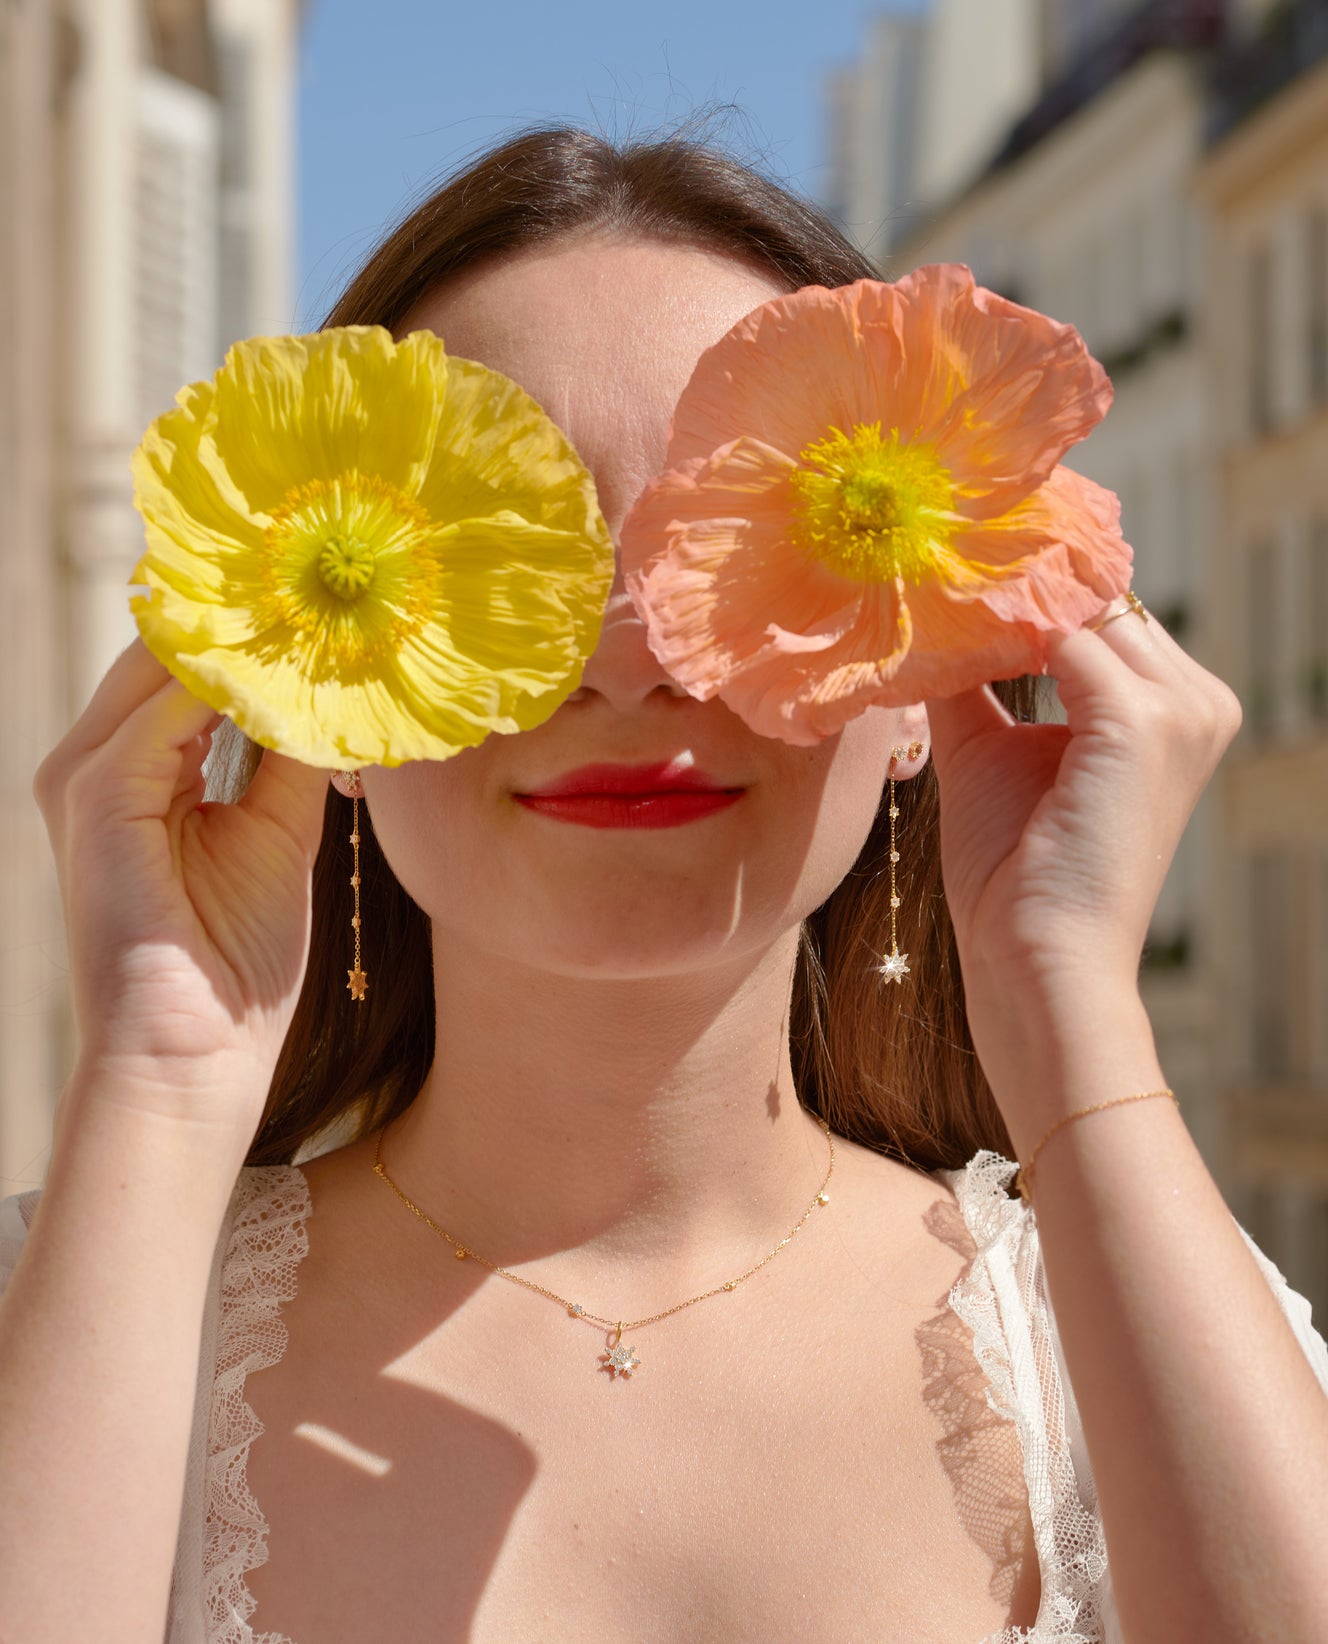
x: 630, y: 796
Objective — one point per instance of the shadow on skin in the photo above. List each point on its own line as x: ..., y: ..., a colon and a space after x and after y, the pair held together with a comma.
x: 375, y: 1452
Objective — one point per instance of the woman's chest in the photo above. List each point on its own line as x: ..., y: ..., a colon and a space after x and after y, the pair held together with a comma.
x: 823, y: 1473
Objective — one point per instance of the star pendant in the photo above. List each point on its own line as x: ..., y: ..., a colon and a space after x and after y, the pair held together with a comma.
x: 357, y: 984
x: 620, y: 1361
x: 895, y: 967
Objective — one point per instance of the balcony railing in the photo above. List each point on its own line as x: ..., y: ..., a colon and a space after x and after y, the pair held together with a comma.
x: 1155, y: 25
x: 1248, y: 72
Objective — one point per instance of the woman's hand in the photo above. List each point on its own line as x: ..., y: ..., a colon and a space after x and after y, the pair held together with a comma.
x: 1055, y: 839
x: 188, y: 922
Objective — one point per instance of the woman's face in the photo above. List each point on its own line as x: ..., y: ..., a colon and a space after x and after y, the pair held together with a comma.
x: 604, y: 334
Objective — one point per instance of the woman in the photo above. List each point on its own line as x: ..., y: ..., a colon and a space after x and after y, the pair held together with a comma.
x: 875, y: 1430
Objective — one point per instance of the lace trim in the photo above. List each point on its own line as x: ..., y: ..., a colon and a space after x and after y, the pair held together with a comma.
x: 1003, y: 1300
x: 268, y: 1242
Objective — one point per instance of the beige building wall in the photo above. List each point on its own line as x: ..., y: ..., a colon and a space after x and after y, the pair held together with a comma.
x: 141, y: 249
x: 923, y: 110
x: 1264, y: 185
x: 35, y: 66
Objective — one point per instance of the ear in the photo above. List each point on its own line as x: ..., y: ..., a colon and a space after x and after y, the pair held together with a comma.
x: 348, y: 784
x: 913, y: 728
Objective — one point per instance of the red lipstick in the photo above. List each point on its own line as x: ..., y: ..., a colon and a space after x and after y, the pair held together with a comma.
x: 630, y: 796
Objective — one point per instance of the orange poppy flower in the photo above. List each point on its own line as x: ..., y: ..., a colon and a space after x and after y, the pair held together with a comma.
x: 863, y: 503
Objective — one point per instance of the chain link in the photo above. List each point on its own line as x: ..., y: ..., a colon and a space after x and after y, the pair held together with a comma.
x: 463, y: 1252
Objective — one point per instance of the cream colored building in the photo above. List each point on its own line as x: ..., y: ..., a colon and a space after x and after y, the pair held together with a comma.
x: 1264, y: 188
x: 920, y: 114
x: 146, y: 156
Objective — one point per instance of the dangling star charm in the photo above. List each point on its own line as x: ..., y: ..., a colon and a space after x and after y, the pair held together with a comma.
x: 357, y: 984
x: 895, y: 967
x: 620, y: 1361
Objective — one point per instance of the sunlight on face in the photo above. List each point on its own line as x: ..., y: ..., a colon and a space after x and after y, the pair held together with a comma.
x: 604, y: 334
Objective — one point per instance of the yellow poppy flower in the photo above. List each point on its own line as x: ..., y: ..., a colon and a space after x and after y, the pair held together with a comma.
x: 365, y: 551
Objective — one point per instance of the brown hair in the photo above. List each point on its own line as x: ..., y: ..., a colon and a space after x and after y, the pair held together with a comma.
x: 889, y: 1066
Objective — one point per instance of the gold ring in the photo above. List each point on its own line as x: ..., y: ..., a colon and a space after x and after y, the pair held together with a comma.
x: 1132, y: 603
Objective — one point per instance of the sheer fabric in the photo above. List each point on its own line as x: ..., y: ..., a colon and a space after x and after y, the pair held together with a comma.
x: 1002, y: 1298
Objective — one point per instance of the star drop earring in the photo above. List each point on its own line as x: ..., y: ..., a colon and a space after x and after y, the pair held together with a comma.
x: 894, y: 967
x: 358, y: 982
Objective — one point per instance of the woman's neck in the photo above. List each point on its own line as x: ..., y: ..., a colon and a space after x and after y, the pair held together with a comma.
x: 618, y: 1124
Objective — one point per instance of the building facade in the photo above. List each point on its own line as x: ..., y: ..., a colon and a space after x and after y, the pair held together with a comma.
x: 1138, y: 196
x: 144, y: 240
x: 1263, y: 185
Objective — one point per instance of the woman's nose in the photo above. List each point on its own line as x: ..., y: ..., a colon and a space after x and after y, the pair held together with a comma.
x: 623, y: 669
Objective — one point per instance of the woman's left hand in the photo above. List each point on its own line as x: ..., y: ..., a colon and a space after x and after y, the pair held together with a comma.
x: 1055, y: 839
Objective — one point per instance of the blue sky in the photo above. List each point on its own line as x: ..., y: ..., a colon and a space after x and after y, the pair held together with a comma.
x: 395, y: 95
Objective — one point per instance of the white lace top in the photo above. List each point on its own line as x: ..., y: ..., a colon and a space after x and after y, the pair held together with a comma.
x: 1002, y: 1298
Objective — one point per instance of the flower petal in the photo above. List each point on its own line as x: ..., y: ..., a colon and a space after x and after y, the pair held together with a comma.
x: 1065, y: 541
x: 708, y: 563
x: 800, y: 697
x: 1003, y: 391
x: 495, y: 451
x: 517, y: 612
x: 1000, y: 390
x: 290, y: 408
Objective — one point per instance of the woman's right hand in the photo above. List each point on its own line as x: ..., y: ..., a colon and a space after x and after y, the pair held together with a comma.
x: 188, y: 923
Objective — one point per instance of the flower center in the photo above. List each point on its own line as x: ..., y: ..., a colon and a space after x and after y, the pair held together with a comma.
x: 346, y: 566
x: 871, y: 507
x: 349, y: 572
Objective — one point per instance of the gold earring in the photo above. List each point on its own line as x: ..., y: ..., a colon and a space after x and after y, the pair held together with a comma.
x: 358, y: 982
x: 894, y: 967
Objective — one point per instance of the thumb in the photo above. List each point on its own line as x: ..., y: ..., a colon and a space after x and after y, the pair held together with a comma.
x: 290, y: 795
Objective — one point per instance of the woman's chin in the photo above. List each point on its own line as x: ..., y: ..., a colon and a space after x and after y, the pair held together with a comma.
x: 617, y: 946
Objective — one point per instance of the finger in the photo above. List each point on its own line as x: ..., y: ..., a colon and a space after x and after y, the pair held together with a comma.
x: 190, y: 783
x: 139, y: 768
x: 1141, y: 641
x: 132, y: 678
x: 955, y: 720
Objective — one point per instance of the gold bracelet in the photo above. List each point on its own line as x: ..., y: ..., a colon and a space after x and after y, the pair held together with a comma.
x: 1024, y: 1178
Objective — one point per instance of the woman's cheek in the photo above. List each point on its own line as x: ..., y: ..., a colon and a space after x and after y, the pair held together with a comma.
x: 822, y: 803
x: 422, y: 820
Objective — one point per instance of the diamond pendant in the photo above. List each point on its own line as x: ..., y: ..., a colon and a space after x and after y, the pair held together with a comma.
x: 895, y: 967
x: 619, y: 1360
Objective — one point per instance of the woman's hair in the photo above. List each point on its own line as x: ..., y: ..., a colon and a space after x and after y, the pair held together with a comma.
x: 890, y: 1066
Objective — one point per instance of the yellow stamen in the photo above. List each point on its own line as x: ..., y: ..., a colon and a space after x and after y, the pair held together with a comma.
x: 349, y: 567
x: 871, y: 507
x: 346, y: 566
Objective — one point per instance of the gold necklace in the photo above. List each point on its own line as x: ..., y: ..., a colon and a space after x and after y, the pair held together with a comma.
x: 617, y: 1359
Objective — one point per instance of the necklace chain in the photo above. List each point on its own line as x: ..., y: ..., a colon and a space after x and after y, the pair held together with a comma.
x: 463, y: 1252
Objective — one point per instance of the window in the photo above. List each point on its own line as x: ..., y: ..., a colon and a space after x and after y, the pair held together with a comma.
x: 1269, y: 962
x: 236, y: 228
x: 1260, y: 298
x: 1319, y: 994
x: 1316, y: 623
x: 1261, y: 606
x: 174, y: 228
x: 1316, y: 299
